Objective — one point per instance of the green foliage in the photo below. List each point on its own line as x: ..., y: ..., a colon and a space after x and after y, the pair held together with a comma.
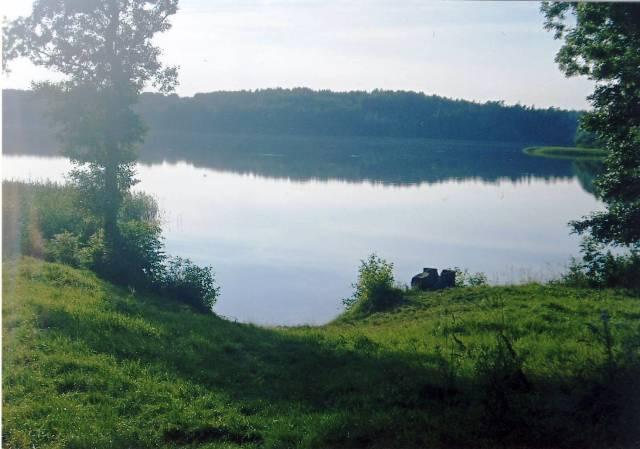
x: 305, y: 112
x: 91, y: 255
x: 466, y: 279
x: 379, y: 113
x: 602, y: 42
x: 94, y: 42
x: 50, y: 216
x: 57, y: 227
x: 105, y: 53
x: 32, y: 214
x: 87, y: 364
x: 140, y: 206
x: 64, y: 248
x: 141, y: 254
x: 49, y: 206
x: 599, y: 267
x: 191, y: 284
x: 375, y: 289
x: 586, y: 139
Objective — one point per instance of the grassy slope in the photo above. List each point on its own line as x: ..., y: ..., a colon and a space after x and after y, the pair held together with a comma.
x: 573, y: 153
x: 90, y: 365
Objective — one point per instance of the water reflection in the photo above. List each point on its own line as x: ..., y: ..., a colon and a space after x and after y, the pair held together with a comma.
x: 352, y: 159
x: 285, y: 225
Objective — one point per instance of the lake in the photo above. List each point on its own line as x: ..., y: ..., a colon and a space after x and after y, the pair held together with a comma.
x: 284, y: 221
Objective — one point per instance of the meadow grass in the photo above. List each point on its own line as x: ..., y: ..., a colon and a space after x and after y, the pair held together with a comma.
x: 572, y: 153
x: 90, y: 365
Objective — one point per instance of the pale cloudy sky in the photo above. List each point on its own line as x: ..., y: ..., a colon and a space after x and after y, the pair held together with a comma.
x: 472, y: 50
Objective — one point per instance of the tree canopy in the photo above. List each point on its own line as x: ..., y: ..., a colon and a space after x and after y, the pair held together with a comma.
x: 602, y: 41
x: 304, y: 111
x: 105, y: 51
x: 97, y: 42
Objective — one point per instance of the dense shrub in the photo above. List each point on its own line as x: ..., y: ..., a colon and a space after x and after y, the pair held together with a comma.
x: 52, y: 209
x: 91, y: 255
x: 52, y: 221
x: 375, y: 288
x: 191, y: 284
x: 32, y: 214
x: 141, y: 253
x: 599, y: 267
x: 64, y: 248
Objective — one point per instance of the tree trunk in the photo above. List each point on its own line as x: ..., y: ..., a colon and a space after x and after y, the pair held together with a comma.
x: 112, y: 192
x: 111, y: 207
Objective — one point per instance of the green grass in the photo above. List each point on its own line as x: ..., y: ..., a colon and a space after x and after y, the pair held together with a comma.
x: 89, y: 365
x: 572, y: 153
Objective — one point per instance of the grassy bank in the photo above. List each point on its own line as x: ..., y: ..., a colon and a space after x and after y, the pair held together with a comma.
x: 572, y: 153
x: 89, y: 365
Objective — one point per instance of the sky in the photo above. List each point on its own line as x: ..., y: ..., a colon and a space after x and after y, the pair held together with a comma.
x: 472, y: 50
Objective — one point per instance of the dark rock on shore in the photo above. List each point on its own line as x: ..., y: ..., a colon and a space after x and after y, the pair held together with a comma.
x: 430, y: 280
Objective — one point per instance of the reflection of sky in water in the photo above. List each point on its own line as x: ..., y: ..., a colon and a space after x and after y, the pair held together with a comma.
x: 286, y: 252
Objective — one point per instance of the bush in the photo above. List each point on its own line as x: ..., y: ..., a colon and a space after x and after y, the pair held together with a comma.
x: 374, y: 289
x: 599, y: 267
x: 191, y: 284
x: 91, y: 255
x: 54, y: 221
x: 466, y: 279
x: 141, y: 254
x: 35, y: 213
x: 54, y: 209
x: 63, y: 248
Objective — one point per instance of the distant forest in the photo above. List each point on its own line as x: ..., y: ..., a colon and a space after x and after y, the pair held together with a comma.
x: 308, y: 112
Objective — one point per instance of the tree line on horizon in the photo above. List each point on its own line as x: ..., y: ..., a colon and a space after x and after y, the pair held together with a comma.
x: 303, y: 111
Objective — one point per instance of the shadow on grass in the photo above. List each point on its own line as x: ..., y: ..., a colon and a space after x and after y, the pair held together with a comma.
x: 379, y: 396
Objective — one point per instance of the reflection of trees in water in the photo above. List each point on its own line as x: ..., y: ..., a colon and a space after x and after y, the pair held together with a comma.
x: 586, y: 171
x: 352, y: 159
x: 384, y: 160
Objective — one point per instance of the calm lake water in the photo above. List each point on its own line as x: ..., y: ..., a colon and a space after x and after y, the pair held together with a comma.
x: 284, y: 224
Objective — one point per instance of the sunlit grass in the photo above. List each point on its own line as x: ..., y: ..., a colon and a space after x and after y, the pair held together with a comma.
x: 88, y: 365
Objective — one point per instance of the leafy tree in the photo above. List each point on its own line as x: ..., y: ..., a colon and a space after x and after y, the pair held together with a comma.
x: 602, y: 42
x: 104, y: 50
